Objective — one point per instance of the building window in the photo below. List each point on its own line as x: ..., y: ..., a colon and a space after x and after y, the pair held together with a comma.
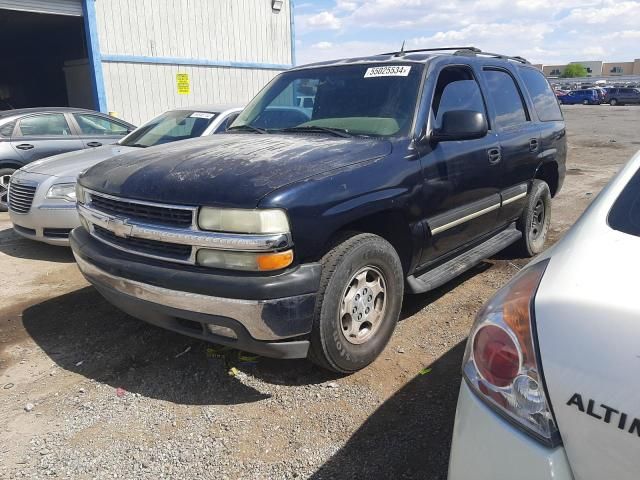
x: 618, y: 70
x: 589, y: 70
x: 555, y: 71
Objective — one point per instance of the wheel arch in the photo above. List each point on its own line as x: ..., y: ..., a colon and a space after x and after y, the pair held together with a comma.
x: 549, y: 172
x: 7, y: 163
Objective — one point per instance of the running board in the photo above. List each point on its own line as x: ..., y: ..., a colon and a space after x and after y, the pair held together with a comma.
x: 438, y: 276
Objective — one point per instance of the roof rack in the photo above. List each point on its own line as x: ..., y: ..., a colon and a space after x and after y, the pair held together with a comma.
x: 462, y: 51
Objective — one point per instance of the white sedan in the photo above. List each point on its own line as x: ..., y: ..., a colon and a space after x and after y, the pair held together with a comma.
x: 551, y: 370
x: 42, y: 201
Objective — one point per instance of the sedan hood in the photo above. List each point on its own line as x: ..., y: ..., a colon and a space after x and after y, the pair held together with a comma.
x: 73, y: 163
x: 227, y: 170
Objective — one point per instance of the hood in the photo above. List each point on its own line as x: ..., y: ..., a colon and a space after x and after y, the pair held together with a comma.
x: 227, y: 170
x: 71, y: 164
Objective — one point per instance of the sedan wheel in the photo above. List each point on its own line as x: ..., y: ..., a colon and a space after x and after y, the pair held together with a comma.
x: 613, y: 102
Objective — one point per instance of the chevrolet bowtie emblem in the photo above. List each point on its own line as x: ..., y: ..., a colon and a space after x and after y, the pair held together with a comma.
x: 120, y: 227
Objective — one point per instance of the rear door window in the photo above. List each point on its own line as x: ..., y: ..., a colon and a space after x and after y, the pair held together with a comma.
x: 52, y: 124
x: 506, y: 97
x: 625, y: 214
x: 544, y: 100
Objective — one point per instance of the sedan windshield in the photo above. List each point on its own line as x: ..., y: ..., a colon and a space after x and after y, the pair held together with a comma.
x: 370, y: 99
x: 169, y: 127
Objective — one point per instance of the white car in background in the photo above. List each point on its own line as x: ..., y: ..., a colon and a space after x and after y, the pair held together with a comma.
x: 42, y: 198
x: 551, y: 385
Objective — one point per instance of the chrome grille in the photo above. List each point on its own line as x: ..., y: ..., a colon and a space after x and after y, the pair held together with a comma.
x: 155, y: 214
x: 21, y: 197
x: 151, y: 248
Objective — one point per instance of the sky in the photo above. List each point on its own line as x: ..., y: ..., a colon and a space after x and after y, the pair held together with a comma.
x: 542, y: 31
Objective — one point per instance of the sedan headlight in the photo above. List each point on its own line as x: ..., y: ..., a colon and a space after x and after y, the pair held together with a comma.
x: 243, y: 221
x: 63, y: 191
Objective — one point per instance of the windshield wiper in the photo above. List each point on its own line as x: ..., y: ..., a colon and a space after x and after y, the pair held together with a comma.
x: 247, y: 128
x: 338, y: 132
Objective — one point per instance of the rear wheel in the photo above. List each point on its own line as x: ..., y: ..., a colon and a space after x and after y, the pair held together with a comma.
x: 358, y: 303
x: 585, y: 102
x: 535, y: 219
x: 613, y: 102
x: 5, y: 178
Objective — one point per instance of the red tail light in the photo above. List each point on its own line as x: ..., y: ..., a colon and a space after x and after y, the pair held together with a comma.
x: 496, y: 355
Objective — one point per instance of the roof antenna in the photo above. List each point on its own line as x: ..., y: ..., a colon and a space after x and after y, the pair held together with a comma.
x: 401, y: 52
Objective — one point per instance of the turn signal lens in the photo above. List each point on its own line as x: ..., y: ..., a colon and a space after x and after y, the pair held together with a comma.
x: 275, y: 261
x: 500, y: 363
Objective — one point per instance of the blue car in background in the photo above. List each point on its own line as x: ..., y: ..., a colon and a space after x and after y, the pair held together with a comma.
x: 589, y: 96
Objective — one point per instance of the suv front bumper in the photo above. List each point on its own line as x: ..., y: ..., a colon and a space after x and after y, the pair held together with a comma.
x: 266, y: 315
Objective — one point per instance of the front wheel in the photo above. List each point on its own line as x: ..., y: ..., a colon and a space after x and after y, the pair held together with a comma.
x: 5, y: 178
x: 535, y: 220
x: 585, y: 102
x: 358, y: 304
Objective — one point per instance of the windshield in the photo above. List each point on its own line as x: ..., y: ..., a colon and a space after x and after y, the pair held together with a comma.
x: 170, y: 127
x: 375, y: 100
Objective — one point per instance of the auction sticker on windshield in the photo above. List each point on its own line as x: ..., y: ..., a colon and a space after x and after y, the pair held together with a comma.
x: 207, y: 116
x: 388, y: 71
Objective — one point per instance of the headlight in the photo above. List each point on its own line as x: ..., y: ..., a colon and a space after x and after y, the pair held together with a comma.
x: 243, y: 221
x: 501, y: 363
x: 80, y: 194
x: 63, y: 191
x: 257, y: 262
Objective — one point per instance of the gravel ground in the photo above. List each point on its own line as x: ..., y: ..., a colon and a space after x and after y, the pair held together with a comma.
x: 88, y: 392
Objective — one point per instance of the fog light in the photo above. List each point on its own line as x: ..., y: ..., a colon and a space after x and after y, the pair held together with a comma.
x: 222, y: 331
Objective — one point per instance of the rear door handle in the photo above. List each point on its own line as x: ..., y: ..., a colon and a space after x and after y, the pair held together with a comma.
x: 533, y: 145
x: 25, y: 146
x: 494, y: 155
x: 94, y: 144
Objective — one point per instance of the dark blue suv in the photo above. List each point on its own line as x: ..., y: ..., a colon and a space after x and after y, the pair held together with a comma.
x: 590, y: 96
x: 298, y: 232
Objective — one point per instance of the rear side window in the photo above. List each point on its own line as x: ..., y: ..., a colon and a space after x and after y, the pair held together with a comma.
x: 544, y: 100
x: 625, y: 214
x: 97, y: 125
x: 506, y: 98
x: 52, y: 124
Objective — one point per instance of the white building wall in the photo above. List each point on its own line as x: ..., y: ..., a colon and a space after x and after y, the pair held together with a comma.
x: 145, y: 43
x: 139, y: 92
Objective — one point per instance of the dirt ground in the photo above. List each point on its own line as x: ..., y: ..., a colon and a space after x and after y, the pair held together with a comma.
x: 114, y: 397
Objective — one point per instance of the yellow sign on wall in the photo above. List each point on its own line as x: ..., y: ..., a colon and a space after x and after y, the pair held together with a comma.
x: 183, y: 84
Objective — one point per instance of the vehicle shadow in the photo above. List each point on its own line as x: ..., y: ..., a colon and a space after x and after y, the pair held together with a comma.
x: 82, y: 333
x: 409, y: 436
x: 14, y: 245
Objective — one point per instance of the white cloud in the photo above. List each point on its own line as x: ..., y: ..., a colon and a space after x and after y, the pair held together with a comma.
x: 321, y: 21
x: 322, y: 45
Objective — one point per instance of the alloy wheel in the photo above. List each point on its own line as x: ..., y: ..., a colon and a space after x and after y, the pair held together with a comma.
x: 363, y: 305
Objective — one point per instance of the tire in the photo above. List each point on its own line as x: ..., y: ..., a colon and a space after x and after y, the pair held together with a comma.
x: 613, y: 102
x: 5, y: 176
x: 585, y: 102
x: 362, y: 278
x: 535, y: 219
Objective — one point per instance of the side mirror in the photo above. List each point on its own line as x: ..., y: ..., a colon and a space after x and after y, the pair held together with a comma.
x: 461, y: 125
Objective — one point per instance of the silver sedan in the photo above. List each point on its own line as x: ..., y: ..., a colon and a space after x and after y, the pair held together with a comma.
x: 42, y: 194
x: 550, y: 386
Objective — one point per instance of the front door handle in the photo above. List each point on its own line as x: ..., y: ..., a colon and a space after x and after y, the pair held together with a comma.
x: 494, y: 155
x: 533, y: 145
x: 94, y: 144
x: 25, y: 146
